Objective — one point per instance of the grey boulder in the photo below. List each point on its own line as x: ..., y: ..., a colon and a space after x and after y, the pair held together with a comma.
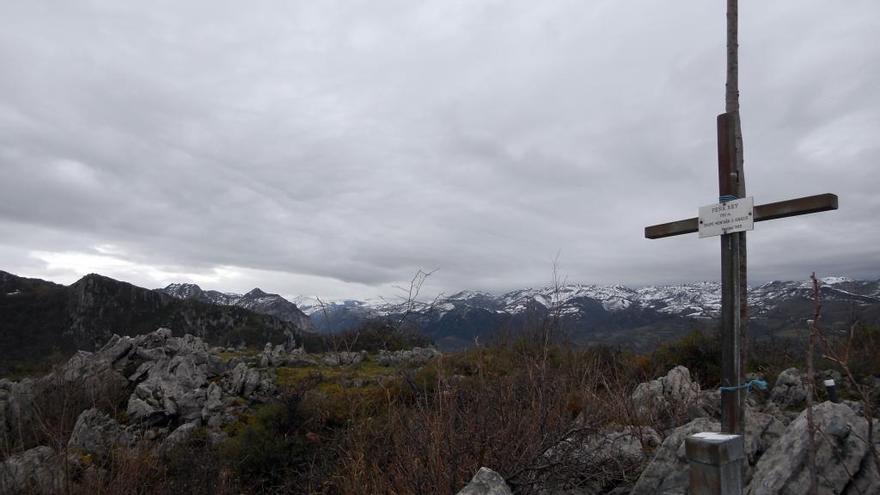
x: 250, y: 383
x: 486, y: 482
x: 840, y: 453
x: 273, y: 356
x: 667, y: 396
x: 789, y: 390
x: 417, y: 356
x: 668, y: 473
x: 37, y: 470
x: 174, y: 388
x: 343, y: 358
x: 96, y: 434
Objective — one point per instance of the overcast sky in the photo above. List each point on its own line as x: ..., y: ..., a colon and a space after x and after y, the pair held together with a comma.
x: 335, y: 147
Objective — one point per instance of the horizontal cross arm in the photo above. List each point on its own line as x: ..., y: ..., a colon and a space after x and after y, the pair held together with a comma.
x: 770, y: 211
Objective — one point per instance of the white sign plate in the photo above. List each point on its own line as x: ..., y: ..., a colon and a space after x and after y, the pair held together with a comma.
x: 726, y: 218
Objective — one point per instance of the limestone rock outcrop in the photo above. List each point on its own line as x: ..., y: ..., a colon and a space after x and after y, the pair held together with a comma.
x: 96, y: 434
x: 667, y: 396
x: 164, y: 382
x: 841, y: 449
x: 622, y: 447
x: 417, y: 356
x: 273, y: 356
x: 343, y: 358
x: 37, y: 470
x: 15, y: 405
x: 762, y: 431
x: 486, y: 482
x: 668, y: 471
x: 789, y: 390
x: 250, y: 383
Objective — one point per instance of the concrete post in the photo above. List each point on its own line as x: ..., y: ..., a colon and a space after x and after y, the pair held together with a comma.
x: 716, y: 462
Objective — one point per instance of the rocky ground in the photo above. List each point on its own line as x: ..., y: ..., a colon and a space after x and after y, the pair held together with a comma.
x: 776, y: 441
x: 149, y: 393
x: 174, y: 386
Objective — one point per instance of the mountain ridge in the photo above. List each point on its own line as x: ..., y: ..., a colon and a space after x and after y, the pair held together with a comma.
x: 255, y: 300
x: 38, y: 318
x: 609, y: 313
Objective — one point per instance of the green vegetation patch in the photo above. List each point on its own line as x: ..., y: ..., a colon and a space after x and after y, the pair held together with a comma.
x: 368, y: 371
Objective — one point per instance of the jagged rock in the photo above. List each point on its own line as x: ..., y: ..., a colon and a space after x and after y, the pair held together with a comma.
x: 273, y: 356
x: 668, y: 395
x: 840, y: 451
x: 86, y: 378
x: 96, y: 433
x: 486, y: 482
x: 300, y: 358
x: 624, y: 446
x: 668, y: 471
x: 213, y: 400
x: 706, y: 405
x: 343, y: 358
x: 858, y: 407
x: 250, y: 383
x: 599, y: 458
x: 867, y: 479
x: 175, y: 380
x: 216, y: 411
x: 15, y: 404
x: 762, y: 431
x: 37, y: 470
x: 91, y: 373
x: 789, y: 390
x: 173, y: 388
x: 178, y: 436
x: 172, y: 375
x: 417, y: 356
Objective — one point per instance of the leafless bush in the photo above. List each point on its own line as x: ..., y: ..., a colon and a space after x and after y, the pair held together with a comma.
x: 514, y: 409
x: 839, y: 354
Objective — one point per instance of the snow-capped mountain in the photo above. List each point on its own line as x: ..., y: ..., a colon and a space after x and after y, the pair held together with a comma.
x: 601, y: 313
x: 695, y: 300
x: 256, y: 300
x: 193, y: 291
x: 608, y: 312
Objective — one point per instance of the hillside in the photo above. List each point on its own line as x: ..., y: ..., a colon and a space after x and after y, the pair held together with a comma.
x: 39, y: 318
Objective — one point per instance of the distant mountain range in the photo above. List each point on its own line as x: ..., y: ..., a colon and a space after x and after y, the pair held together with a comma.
x: 39, y: 318
x: 636, y: 317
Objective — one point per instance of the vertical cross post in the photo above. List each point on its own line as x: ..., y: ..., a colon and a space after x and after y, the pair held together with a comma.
x: 731, y: 185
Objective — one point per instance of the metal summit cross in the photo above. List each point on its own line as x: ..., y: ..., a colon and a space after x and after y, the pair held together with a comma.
x: 730, y: 218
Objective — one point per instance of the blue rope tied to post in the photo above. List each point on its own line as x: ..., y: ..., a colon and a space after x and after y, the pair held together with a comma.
x: 757, y: 383
x: 726, y: 198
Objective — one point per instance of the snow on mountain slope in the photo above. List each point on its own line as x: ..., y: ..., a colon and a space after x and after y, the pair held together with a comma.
x: 700, y: 300
x: 256, y: 300
x: 695, y: 300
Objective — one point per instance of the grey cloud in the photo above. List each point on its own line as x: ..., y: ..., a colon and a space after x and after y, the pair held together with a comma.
x: 353, y: 143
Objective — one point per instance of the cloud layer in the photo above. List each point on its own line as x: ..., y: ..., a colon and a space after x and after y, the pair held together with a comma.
x: 334, y: 148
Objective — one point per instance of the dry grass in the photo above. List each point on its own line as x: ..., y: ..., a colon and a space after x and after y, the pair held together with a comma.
x: 373, y: 429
